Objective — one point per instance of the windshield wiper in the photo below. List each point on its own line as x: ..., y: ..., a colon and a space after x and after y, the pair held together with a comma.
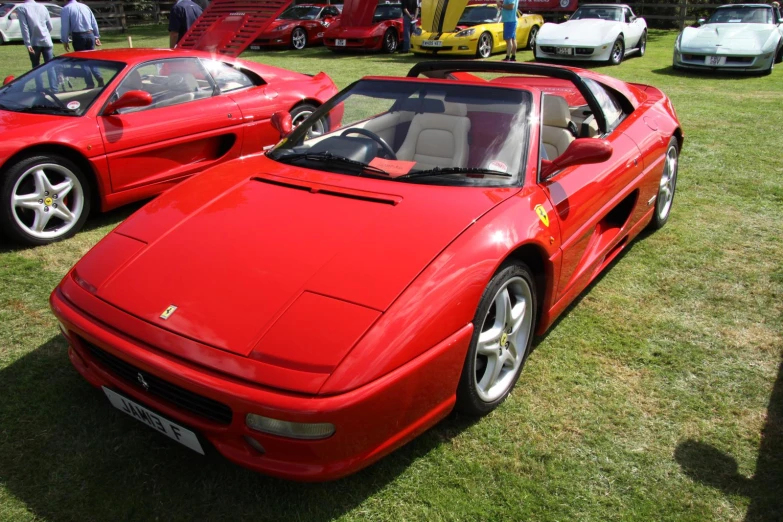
x: 365, y: 169
x: 46, y: 108
x: 437, y: 171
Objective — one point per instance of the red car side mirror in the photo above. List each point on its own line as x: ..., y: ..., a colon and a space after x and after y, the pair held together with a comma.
x: 130, y: 99
x: 581, y: 151
x: 282, y: 123
x: 8, y: 79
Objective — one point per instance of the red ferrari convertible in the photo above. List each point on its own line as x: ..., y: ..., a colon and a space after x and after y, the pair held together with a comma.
x: 366, y: 27
x: 105, y: 128
x: 299, y: 26
x: 343, y: 292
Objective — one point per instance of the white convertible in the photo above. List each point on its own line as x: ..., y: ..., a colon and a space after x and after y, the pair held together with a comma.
x: 739, y: 37
x: 597, y: 32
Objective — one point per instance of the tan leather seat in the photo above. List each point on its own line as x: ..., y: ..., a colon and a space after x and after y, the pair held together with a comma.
x: 438, y: 139
x: 555, y: 134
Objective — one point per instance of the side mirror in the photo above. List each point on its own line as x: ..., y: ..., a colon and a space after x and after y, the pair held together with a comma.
x: 8, y: 79
x: 129, y: 99
x: 701, y: 21
x: 581, y: 151
x: 282, y: 123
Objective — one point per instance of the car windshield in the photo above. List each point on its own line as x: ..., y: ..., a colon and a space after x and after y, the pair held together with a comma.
x: 483, y: 14
x: 387, y: 12
x: 602, y: 13
x: 5, y: 9
x: 742, y: 15
x: 300, y: 13
x: 66, y: 86
x: 413, y: 131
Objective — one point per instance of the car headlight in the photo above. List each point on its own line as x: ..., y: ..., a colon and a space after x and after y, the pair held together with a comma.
x: 677, y: 41
x: 282, y: 27
x: 292, y: 430
x: 465, y: 33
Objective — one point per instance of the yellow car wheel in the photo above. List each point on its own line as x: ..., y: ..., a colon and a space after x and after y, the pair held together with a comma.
x: 484, y: 46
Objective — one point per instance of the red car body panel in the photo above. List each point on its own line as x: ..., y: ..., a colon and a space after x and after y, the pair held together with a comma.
x: 396, y: 299
x: 275, y: 37
x: 132, y: 156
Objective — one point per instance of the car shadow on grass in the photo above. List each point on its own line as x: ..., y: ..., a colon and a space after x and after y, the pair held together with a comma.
x: 66, y: 454
x: 711, y: 466
x: 714, y: 75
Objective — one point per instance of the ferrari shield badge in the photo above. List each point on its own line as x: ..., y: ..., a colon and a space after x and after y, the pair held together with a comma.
x: 168, y: 312
x: 542, y: 215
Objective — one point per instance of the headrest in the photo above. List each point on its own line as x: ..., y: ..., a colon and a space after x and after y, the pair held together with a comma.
x: 556, y: 113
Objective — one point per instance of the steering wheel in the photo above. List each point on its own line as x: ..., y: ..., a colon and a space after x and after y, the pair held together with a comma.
x: 50, y: 94
x: 377, y: 139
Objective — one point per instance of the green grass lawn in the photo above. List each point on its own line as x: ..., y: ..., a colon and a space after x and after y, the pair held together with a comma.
x: 657, y: 396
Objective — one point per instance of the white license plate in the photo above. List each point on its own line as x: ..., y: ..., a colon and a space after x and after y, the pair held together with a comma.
x: 564, y: 50
x: 339, y: 43
x: 173, y: 431
x: 715, y: 60
x: 431, y: 43
x: 255, y: 47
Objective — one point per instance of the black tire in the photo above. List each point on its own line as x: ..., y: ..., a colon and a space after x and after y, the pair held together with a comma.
x: 298, y: 39
x: 484, y: 46
x: 643, y: 44
x: 667, y: 186
x: 531, y: 38
x: 471, y: 398
x: 779, y: 55
x: 618, y: 51
x: 302, y: 111
x: 18, y: 222
x: 390, y: 40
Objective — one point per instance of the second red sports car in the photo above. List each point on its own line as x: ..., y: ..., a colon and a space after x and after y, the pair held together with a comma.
x: 311, y: 309
x: 105, y: 128
x: 299, y: 26
x: 356, y: 30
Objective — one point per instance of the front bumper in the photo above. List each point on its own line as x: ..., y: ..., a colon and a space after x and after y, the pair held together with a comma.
x: 450, y: 47
x: 578, y: 53
x: 370, y: 421
x: 703, y: 61
x: 273, y: 39
x: 370, y: 43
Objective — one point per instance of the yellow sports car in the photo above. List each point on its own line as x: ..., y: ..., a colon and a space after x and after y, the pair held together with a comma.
x: 478, y: 31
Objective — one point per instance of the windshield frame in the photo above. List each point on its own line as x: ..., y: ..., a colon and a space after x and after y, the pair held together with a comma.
x: 517, y: 178
x: 749, y: 8
x: 618, y: 9
x: 472, y: 8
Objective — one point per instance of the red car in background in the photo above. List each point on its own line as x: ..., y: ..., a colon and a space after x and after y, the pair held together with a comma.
x: 311, y: 309
x: 366, y: 27
x: 299, y: 26
x: 71, y: 141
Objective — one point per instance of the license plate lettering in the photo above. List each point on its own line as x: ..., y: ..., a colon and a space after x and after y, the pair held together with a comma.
x: 432, y: 43
x: 715, y: 60
x: 564, y: 50
x: 339, y: 42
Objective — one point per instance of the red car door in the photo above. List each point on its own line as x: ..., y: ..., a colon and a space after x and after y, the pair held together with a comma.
x: 188, y: 127
x: 592, y: 208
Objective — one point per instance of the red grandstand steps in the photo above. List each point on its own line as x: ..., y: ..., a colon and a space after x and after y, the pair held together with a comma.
x: 228, y: 27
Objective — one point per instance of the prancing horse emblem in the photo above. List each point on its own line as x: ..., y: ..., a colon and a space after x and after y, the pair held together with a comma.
x: 144, y: 383
x: 168, y: 311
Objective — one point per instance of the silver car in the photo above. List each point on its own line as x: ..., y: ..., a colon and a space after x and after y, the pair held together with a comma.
x: 9, y: 21
x: 737, y: 37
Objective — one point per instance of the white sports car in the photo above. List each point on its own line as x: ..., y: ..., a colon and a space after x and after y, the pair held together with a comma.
x: 596, y: 32
x: 740, y: 37
x: 9, y: 21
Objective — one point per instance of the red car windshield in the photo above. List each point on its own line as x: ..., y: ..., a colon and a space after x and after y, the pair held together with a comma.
x: 300, y: 13
x: 423, y: 132
x: 66, y: 86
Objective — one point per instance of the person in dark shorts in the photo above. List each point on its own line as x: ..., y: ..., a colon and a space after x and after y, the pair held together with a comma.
x: 182, y: 16
x: 508, y: 15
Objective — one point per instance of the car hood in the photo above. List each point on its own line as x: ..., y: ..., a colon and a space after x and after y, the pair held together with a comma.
x: 726, y: 37
x: 234, y: 263
x: 579, y: 32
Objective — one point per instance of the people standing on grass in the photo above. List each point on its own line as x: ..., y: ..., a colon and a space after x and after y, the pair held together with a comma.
x: 79, y: 24
x: 409, y: 14
x: 508, y: 15
x: 182, y: 16
x: 36, y: 24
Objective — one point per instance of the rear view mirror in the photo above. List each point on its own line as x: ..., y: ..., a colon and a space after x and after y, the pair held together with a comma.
x: 701, y: 21
x: 8, y: 79
x: 282, y: 123
x: 581, y: 151
x: 130, y: 99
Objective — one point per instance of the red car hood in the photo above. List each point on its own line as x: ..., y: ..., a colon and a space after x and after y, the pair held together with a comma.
x: 233, y: 264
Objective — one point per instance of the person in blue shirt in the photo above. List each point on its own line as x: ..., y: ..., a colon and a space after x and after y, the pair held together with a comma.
x: 182, y: 16
x: 78, y: 23
x: 508, y: 15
